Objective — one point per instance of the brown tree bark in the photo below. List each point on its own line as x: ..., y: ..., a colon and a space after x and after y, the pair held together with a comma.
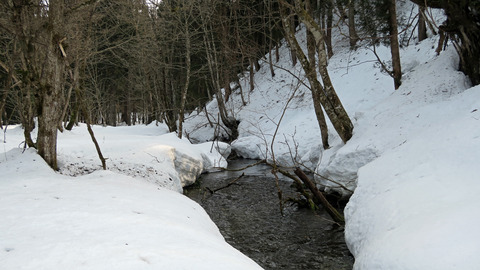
x: 83, y: 108
x: 5, y: 90
x: 293, y: 53
x: 251, y: 75
x: 334, y: 214
x: 188, y: 64
x: 311, y: 47
x: 394, y: 46
x: 51, y: 85
x: 422, y: 26
x: 328, y: 30
x: 352, y: 32
x: 214, y: 69
x: 327, y: 96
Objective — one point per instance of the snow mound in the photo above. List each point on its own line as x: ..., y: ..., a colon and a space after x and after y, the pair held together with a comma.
x: 103, y: 220
x: 159, y: 157
x: 415, y: 206
x: 412, y: 160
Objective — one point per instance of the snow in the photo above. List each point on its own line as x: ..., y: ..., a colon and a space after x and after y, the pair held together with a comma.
x: 128, y: 217
x: 412, y: 161
x: 145, y: 151
x: 421, y: 195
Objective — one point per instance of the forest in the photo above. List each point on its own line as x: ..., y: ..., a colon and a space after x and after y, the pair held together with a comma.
x: 239, y: 134
x: 135, y: 61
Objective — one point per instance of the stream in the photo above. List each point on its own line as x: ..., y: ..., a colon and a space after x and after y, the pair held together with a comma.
x: 248, y: 215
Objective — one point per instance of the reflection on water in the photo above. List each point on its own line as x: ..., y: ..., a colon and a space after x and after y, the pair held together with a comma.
x: 247, y: 214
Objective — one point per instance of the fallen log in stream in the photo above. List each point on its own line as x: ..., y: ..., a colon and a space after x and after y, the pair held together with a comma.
x: 318, y: 194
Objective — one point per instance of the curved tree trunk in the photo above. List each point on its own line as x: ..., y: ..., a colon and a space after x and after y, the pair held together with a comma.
x: 311, y: 47
x: 327, y: 96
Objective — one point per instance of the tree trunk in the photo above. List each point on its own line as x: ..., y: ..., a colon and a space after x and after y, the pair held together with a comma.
x: 394, y: 47
x: 328, y: 31
x: 212, y: 61
x: 277, y: 52
x: 334, y: 214
x: 352, y: 32
x: 311, y: 47
x: 27, y: 115
x: 168, y: 101
x: 252, y: 75
x: 422, y: 27
x: 183, y: 100
x: 329, y: 99
x: 292, y: 29
x: 51, y: 86
x: 73, y: 116
x: 244, y: 103
x: 270, y: 59
x: 83, y: 108
x: 6, y: 90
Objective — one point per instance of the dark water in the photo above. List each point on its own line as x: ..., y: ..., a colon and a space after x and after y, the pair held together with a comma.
x: 247, y: 214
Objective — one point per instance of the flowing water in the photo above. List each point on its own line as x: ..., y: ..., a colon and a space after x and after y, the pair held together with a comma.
x: 248, y: 215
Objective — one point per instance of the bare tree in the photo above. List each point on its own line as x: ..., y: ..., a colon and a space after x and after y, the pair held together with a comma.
x: 326, y: 94
x: 39, y: 30
x: 214, y: 65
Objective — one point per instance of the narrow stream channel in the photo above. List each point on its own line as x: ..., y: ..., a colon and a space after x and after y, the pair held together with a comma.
x: 247, y: 214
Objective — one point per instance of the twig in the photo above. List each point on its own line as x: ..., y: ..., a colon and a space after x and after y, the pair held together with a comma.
x: 274, y: 167
x: 243, y: 168
x: 229, y: 184
x: 381, y: 62
x: 328, y: 179
x: 158, y: 161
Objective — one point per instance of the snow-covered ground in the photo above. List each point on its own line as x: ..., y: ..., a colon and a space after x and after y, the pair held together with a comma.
x: 413, y: 158
x: 128, y: 217
x: 413, y: 162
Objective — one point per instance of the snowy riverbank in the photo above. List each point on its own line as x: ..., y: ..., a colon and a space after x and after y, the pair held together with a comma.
x: 412, y: 162
x: 412, y: 158
x: 121, y: 218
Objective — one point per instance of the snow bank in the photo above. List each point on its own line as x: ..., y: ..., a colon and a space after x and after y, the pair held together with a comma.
x: 412, y: 160
x: 148, y: 152
x: 388, y: 123
x: 416, y: 206
x: 103, y: 220
x: 297, y: 139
